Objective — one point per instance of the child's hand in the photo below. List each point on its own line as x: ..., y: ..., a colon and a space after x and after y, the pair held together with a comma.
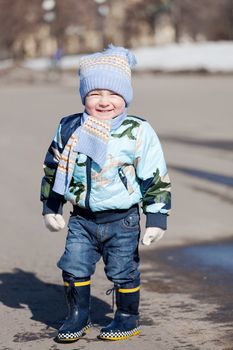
x: 152, y: 234
x: 54, y: 222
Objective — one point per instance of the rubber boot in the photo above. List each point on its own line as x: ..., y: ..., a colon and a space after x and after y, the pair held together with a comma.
x: 126, y: 320
x: 78, y: 300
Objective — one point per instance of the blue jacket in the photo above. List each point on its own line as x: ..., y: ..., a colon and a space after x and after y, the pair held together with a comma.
x: 134, y: 172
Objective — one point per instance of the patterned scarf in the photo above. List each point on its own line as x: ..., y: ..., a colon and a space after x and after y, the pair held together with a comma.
x: 90, y: 139
x: 66, y: 166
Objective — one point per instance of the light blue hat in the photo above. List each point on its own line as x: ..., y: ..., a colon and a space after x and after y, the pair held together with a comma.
x: 108, y: 70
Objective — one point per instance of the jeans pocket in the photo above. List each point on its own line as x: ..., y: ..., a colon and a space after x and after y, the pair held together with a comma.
x: 131, y: 221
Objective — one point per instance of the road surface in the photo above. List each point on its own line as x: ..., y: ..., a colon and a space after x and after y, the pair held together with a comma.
x: 187, y: 294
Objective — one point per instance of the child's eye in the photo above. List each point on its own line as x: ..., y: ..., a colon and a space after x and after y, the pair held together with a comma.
x: 93, y: 94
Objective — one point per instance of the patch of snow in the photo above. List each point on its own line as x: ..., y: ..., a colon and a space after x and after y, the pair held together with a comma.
x: 209, y: 56
x: 4, y: 64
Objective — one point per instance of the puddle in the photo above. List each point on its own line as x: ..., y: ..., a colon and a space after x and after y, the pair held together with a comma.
x: 214, y: 258
x: 204, y: 271
x: 210, y: 256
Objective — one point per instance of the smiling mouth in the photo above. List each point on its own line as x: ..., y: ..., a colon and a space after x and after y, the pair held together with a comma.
x: 104, y: 111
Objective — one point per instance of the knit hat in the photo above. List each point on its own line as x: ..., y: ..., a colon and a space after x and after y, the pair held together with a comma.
x: 107, y: 70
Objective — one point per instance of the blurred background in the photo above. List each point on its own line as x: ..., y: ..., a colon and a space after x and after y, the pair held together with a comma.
x: 183, y: 84
x: 51, y: 34
x: 39, y: 27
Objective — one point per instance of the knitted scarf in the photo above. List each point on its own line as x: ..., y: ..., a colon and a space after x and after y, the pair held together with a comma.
x: 90, y: 139
x: 66, y: 166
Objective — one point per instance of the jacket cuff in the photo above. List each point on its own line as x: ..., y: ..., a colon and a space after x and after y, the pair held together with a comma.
x: 156, y: 220
x: 52, y: 206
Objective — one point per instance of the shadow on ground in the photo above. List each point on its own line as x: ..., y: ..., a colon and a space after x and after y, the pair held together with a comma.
x: 205, y: 175
x: 21, y: 289
x: 225, y: 145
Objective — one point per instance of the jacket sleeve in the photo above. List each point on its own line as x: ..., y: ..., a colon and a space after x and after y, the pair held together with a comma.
x: 153, y: 177
x: 52, y: 202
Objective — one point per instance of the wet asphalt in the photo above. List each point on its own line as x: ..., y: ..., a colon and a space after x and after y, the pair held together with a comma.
x: 204, y: 271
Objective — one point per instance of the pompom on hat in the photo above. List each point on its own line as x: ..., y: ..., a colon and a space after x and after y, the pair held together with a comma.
x: 108, y: 70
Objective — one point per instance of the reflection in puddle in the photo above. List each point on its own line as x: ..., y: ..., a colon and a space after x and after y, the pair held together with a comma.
x: 220, y: 255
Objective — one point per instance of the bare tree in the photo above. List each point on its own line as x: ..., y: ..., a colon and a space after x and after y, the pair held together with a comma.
x: 142, y: 13
x: 134, y: 26
x: 16, y: 18
x: 211, y: 18
x: 73, y: 13
x: 220, y: 25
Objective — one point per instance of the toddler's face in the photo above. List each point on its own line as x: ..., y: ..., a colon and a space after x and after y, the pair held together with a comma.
x: 104, y: 104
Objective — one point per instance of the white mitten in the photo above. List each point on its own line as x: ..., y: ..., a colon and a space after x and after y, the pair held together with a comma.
x: 152, y: 234
x: 54, y: 222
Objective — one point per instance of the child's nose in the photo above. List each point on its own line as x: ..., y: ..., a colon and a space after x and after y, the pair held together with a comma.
x: 103, y: 101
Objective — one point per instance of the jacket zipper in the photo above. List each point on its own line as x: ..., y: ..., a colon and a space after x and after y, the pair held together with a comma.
x: 88, y: 175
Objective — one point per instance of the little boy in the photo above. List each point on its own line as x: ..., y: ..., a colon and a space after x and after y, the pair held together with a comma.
x: 105, y: 163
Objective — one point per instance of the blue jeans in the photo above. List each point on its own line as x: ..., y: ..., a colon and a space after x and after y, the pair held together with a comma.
x: 116, y: 242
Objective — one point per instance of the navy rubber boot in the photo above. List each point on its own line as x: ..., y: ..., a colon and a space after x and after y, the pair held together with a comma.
x: 78, y: 300
x: 126, y: 320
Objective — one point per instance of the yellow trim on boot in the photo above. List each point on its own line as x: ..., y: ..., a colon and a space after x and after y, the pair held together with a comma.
x: 132, y: 290
x: 78, y: 284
